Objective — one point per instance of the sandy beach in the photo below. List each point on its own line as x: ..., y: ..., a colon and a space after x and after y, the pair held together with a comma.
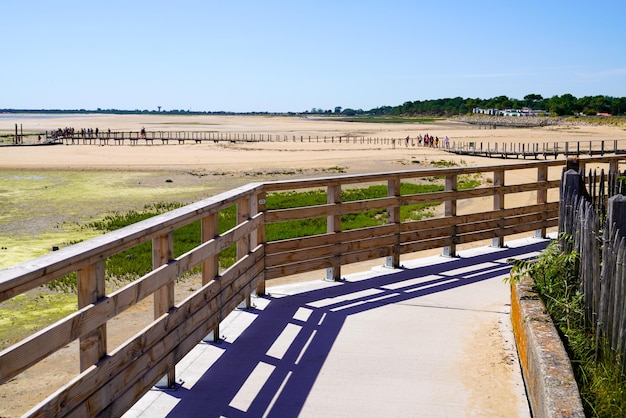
x: 312, y: 148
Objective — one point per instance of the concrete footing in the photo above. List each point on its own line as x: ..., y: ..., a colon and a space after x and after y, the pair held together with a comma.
x: 548, y: 376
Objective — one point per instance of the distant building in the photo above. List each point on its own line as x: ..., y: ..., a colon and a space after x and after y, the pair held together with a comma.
x: 508, y: 112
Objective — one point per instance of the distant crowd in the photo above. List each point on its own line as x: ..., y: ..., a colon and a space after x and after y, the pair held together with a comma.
x: 69, y: 133
x: 427, y: 141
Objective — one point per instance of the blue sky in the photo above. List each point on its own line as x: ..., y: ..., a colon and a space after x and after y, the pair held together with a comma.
x: 280, y: 56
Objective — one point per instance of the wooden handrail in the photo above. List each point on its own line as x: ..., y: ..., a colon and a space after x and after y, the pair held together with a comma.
x: 115, y: 378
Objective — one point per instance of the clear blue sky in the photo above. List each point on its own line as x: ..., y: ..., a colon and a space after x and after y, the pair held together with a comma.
x: 296, y: 55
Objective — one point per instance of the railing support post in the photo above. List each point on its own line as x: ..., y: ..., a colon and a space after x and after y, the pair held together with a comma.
x: 542, y: 196
x: 258, y: 206
x: 243, y: 245
x: 210, y: 266
x: 164, y: 298
x: 498, y: 204
x: 450, y: 210
x: 333, y: 225
x: 93, y: 346
x: 393, y: 217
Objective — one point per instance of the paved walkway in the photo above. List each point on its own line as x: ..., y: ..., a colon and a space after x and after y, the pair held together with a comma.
x: 432, y: 339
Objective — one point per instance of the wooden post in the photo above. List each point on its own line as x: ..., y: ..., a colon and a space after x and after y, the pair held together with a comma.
x: 93, y: 346
x: 498, y: 204
x: 162, y: 253
x: 572, y: 188
x: 614, y: 166
x: 243, y: 245
x: 258, y: 238
x: 450, y: 210
x: 210, y: 266
x: 542, y: 197
x: 393, y: 217
x: 617, y: 214
x: 333, y: 225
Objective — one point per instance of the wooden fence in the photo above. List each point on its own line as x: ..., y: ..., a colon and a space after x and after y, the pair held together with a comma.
x: 112, y: 379
x: 593, y: 212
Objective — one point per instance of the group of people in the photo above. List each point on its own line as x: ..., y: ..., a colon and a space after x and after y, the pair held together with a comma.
x: 69, y: 133
x: 428, y: 141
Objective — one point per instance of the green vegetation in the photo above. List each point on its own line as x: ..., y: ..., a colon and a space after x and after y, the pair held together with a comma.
x: 137, y: 261
x: 23, y: 315
x: 307, y: 227
x: 598, y: 371
x: 444, y: 163
x: 558, y: 105
x: 46, y: 208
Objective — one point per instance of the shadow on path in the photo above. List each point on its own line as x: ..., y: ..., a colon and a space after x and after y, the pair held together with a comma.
x: 270, y: 368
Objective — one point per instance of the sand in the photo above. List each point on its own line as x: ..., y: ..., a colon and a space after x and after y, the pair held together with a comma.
x: 304, y: 153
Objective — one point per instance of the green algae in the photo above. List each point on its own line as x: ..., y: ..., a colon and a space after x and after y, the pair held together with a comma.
x: 40, y: 210
x: 28, y: 313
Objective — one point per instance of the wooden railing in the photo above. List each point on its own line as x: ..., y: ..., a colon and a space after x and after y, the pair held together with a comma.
x: 537, y: 150
x: 112, y: 379
x: 107, y: 137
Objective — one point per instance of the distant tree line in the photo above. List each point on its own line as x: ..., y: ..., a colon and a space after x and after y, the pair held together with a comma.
x: 564, y: 105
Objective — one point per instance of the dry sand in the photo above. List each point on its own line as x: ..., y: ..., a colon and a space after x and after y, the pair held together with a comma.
x: 304, y: 158
x: 243, y: 156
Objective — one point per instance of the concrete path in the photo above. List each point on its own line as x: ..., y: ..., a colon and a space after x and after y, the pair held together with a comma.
x: 432, y: 339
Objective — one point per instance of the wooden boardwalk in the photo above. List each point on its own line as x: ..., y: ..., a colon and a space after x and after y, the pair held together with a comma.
x: 197, y: 137
x: 504, y: 150
x: 540, y: 150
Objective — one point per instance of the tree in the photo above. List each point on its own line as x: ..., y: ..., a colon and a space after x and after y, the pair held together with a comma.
x: 563, y: 105
x: 532, y: 100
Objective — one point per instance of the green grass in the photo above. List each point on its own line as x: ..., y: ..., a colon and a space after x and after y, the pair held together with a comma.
x: 314, y: 226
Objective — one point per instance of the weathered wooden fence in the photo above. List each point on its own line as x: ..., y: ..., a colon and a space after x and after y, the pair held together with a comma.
x: 112, y: 379
x: 593, y: 212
